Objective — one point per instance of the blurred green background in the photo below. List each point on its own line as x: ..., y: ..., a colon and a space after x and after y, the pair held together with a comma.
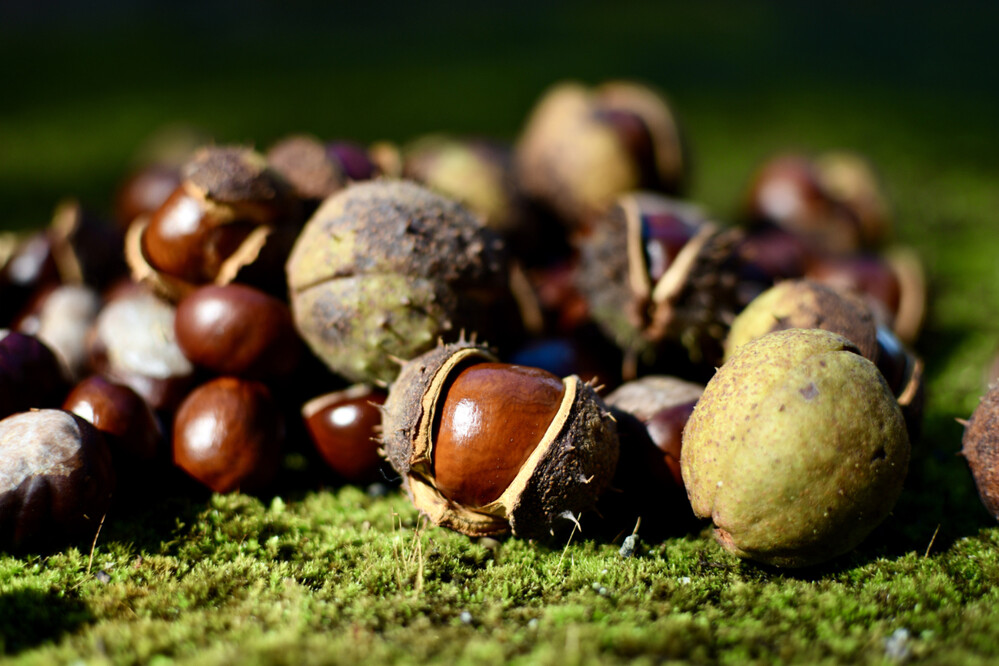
x: 86, y: 82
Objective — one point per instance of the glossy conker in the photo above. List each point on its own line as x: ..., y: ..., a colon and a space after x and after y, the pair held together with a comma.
x: 131, y: 429
x: 486, y: 448
x: 227, y: 434
x: 56, y: 479
x: 237, y: 330
x: 30, y: 374
x: 344, y: 426
x: 476, y: 452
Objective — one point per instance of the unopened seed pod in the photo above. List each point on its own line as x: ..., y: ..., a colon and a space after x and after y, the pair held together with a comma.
x: 487, y: 448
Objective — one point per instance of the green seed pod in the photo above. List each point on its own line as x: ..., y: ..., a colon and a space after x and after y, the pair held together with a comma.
x: 385, y: 268
x: 796, y: 450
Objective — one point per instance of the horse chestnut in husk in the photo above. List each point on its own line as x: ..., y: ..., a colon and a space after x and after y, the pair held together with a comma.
x: 56, y: 479
x: 796, y: 450
x: 980, y: 447
x: 486, y: 448
x: 384, y: 269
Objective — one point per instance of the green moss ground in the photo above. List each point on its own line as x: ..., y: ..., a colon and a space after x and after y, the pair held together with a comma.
x: 335, y: 576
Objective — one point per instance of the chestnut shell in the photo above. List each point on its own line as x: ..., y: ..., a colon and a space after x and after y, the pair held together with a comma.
x: 56, y: 479
x: 565, y: 475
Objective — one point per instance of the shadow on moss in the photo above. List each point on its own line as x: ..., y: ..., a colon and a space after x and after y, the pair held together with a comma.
x: 30, y: 617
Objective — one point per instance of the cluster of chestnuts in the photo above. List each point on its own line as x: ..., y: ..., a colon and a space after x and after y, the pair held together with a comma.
x: 240, y: 303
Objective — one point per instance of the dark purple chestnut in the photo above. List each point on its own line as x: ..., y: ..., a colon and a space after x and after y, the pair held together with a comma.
x: 56, y: 480
x: 343, y: 426
x: 237, y: 330
x: 227, y: 434
x: 30, y: 374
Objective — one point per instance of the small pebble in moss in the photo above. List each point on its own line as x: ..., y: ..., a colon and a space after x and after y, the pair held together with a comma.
x: 629, y: 546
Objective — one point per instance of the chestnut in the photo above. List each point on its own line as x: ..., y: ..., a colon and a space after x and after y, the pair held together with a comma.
x: 133, y: 343
x: 131, y: 429
x: 311, y: 171
x: 56, y: 479
x: 344, y: 426
x: 222, y: 219
x: 663, y: 404
x: 145, y: 190
x: 61, y: 317
x: 227, y: 434
x: 788, y: 192
x: 237, y: 330
x: 30, y: 374
x: 486, y: 448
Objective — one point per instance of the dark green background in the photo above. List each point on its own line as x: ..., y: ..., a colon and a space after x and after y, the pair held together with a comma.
x: 85, y: 82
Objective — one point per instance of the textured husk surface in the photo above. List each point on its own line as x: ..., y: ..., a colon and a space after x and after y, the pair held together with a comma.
x: 384, y: 269
x: 695, y: 311
x: 565, y: 475
x: 796, y: 450
x: 980, y: 447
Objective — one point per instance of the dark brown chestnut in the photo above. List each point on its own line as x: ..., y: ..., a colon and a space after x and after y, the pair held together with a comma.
x: 131, y: 429
x: 30, y: 374
x: 227, y: 434
x: 56, y: 479
x: 237, y: 330
x: 344, y: 427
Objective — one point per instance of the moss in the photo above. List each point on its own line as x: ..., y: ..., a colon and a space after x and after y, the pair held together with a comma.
x: 334, y: 576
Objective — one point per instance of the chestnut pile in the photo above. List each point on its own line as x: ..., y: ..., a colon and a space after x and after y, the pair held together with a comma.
x: 241, y: 303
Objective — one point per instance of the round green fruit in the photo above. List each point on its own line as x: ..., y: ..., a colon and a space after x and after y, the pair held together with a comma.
x: 796, y: 450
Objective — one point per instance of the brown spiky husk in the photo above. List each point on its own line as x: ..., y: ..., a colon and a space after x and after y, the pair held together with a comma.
x: 980, y: 447
x: 561, y: 479
x: 695, y: 309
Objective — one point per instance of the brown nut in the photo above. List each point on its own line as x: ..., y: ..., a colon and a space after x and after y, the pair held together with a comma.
x: 145, y: 190
x: 344, y: 426
x: 56, y: 479
x: 237, y: 330
x: 227, y: 434
x: 61, y: 318
x: 30, y: 374
x: 133, y: 343
x: 486, y: 448
x: 130, y: 428
x: 229, y: 213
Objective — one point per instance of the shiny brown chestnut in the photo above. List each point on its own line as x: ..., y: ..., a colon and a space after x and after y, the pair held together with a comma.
x: 131, y: 429
x: 344, y: 426
x: 31, y: 376
x: 56, y: 479
x: 229, y: 209
x: 237, y: 330
x: 227, y: 434
x: 486, y: 448
x: 980, y: 448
